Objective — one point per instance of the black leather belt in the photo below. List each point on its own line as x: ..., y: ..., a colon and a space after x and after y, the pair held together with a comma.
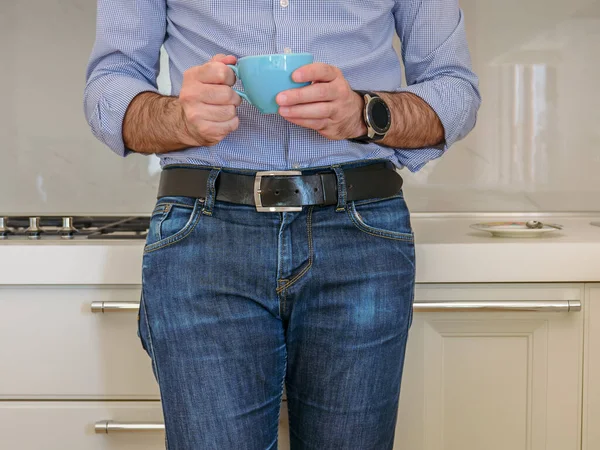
x: 283, y: 190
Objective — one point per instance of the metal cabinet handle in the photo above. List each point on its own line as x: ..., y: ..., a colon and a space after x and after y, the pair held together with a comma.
x: 110, y: 426
x: 499, y: 306
x: 103, y: 307
x: 487, y: 306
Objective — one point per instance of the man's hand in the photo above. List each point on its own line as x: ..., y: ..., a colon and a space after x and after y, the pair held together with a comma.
x: 203, y: 115
x: 208, y: 102
x: 328, y: 105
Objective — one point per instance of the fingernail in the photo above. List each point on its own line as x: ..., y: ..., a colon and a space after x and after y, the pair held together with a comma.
x: 298, y: 76
x: 283, y: 110
x: 282, y: 98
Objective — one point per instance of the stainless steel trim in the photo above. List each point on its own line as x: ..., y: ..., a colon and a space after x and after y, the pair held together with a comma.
x: 257, y: 182
x: 103, y: 307
x: 499, y: 306
x: 67, y: 230
x: 484, y: 306
x: 3, y: 228
x: 34, y: 230
x: 111, y: 426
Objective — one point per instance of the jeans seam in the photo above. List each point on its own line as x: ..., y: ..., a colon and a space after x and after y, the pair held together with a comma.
x: 181, y: 205
x: 362, y: 226
x: 370, y: 201
x: 165, y: 214
x: 159, y: 209
x: 177, y: 237
x: 282, y: 303
x: 281, y: 389
x: 307, y: 267
x: 151, y: 347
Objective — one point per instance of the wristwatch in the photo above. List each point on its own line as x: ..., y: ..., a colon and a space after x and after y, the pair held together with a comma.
x: 377, y: 117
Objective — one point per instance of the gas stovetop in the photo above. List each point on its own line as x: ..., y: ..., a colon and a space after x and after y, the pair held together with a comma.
x: 75, y: 227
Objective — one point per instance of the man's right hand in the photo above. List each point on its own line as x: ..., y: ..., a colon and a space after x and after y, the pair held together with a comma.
x: 208, y: 102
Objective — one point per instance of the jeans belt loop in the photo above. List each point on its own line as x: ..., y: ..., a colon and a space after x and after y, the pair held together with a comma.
x: 211, y: 192
x: 341, y: 189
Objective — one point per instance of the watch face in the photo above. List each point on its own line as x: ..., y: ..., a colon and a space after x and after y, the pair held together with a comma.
x: 379, y: 115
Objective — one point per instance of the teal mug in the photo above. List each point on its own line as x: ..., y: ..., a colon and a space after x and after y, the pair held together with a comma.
x: 265, y: 76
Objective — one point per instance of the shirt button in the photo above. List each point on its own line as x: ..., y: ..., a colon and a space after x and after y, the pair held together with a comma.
x: 287, y: 50
x: 296, y: 166
x: 284, y: 3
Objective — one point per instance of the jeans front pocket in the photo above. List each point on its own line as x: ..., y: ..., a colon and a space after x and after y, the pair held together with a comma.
x: 173, y: 219
x: 386, y: 218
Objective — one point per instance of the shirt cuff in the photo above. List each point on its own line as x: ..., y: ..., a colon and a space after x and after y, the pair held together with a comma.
x: 106, y: 102
x: 456, y: 107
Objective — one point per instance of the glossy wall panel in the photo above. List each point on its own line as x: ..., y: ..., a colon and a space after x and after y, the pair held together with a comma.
x: 49, y: 160
x: 536, y: 146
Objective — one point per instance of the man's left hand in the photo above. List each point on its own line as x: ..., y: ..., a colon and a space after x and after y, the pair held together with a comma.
x: 328, y: 105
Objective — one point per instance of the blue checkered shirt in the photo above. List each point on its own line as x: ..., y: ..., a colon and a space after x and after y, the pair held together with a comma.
x: 354, y: 35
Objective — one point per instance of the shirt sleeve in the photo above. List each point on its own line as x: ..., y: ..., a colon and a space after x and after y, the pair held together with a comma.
x: 437, y: 66
x: 124, y: 62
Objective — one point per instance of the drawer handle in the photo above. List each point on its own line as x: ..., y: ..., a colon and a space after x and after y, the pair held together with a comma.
x: 499, y: 306
x: 490, y: 306
x: 110, y: 426
x: 104, y: 307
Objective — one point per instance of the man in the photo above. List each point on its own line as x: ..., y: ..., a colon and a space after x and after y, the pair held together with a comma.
x: 238, y: 303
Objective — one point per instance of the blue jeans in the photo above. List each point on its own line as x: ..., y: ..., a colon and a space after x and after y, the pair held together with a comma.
x: 236, y: 304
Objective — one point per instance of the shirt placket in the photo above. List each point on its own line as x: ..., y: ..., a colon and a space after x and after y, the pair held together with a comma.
x: 282, y: 10
x: 283, y: 14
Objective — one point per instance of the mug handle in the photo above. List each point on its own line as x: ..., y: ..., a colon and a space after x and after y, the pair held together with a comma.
x: 237, y: 75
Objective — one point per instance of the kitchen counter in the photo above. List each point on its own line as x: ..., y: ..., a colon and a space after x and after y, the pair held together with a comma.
x: 448, y: 251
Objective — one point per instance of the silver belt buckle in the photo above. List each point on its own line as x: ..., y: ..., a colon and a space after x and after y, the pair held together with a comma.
x: 270, y: 173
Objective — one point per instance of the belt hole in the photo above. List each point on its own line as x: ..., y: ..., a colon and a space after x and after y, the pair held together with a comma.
x: 316, y: 189
x: 297, y: 191
x: 276, y: 192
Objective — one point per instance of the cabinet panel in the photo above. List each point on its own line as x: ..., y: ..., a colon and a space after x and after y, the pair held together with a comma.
x: 591, y: 380
x: 493, y: 380
x: 58, y: 348
x: 70, y: 425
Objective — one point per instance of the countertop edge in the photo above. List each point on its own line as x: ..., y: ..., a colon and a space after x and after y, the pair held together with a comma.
x: 120, y: 263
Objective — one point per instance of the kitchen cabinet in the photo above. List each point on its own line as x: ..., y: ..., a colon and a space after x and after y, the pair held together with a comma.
x: 507, y: 378
x: 60, y: 349
x: 495, y: 380
x: 71, y: 425
x: 591, y: 374
x: 89, y: 425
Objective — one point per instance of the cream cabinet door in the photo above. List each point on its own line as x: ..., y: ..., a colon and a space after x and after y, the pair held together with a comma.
x: 591, y: 378
x: 507, y: 378
x: 55, y: 347
x: 84, y: 425
x: 72, y: 425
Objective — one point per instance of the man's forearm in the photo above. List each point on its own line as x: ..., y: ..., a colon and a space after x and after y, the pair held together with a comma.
x: 414, y: 123
x: 155, y: 123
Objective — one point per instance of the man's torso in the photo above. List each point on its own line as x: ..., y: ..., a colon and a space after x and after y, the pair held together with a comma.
x: 355, y: 36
